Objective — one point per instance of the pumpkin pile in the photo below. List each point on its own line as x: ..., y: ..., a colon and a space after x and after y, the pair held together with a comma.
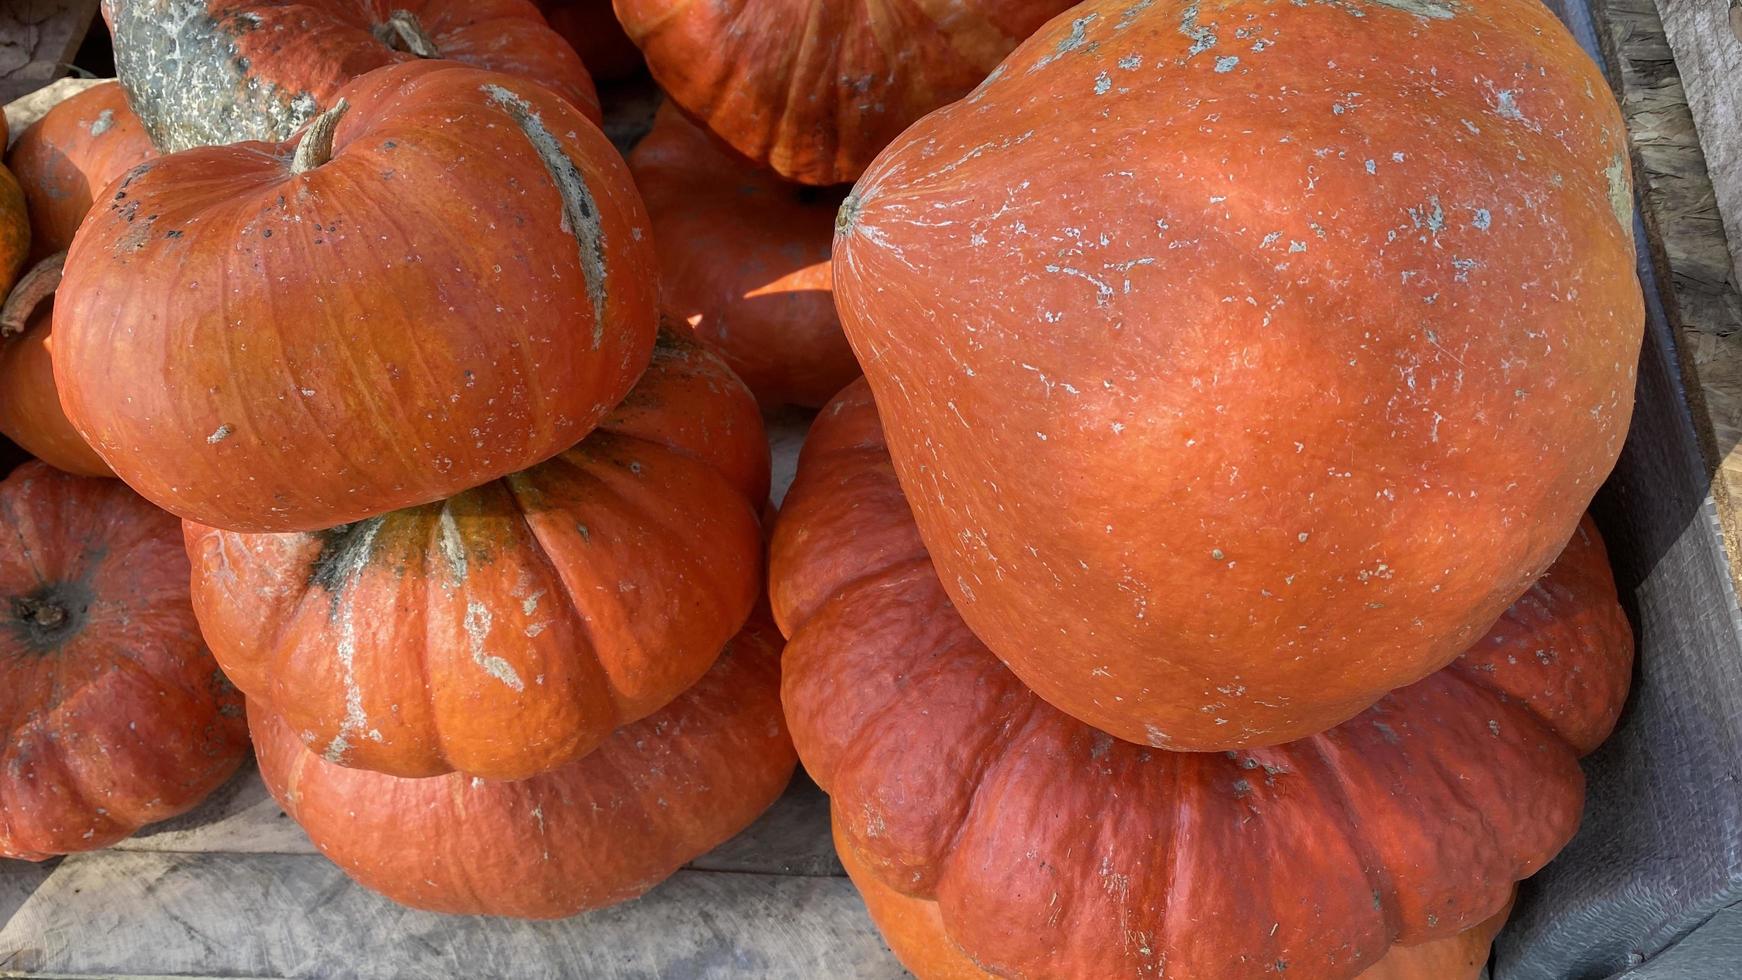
x: 1197, y: 583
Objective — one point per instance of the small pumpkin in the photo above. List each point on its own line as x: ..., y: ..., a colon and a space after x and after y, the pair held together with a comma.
x: 591, y: 28
x: 814, y: 88
x: 30, y: 412
x: 511, y: 628
x: 64, y: 160
x: 599, y: 830
x: 14, y: 231
x: 224, y: 71
x: 112, y: 713
x: 374, y: 316
x: 744, y: 258
x: 1232, y: 391
x: 914, y: 930
x: 1055, y: 849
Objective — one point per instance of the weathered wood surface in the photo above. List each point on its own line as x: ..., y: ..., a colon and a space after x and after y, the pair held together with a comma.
x: 37, y: 41
x: 1703, y: 35
x: 1685, y: 228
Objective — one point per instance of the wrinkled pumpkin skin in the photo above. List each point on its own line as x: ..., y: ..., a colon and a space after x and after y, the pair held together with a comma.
x: 258, y: 70
x: 814, y: 88
x: 66, y: 158
x: 600, y: 830
x: 1231, y: 391
x: 744, y: 258
x: 112, y: 713
x: 342, y: 342
x: 914, y: 930
x: 1053, y: 849
x: 512, y: 628
x: 591, y: 28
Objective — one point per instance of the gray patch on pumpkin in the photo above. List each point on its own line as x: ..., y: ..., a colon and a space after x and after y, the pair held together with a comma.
x: 1620, y: 190
x: 1420, y: 8
x: 187, y: 81
x: 1070, y: 42
x: 104, y: 121
x: 1203, y: 37
x: 580, y: 211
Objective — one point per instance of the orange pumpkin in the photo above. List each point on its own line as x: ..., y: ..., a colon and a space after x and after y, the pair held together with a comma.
x: 225, y: 71
x: 600, y: 830
x: 1053, y: 849
x: 815, y: 89
x: 66, y: 158
x: 914, y: 930
x: 1244, y: 362
x: 112, y: 713
x: 14, y: 231
x: 30, y: 412
x: 511, y: 628
x: 744, y: 258
x: 374, y: 317
x: 591, y: 28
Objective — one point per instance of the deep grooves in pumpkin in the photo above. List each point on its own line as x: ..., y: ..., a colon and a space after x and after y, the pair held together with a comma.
x: 580, y: 211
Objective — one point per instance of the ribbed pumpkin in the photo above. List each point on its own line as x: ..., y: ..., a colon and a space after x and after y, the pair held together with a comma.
x: 30, y: 412
x: 597, y: 831
x: 1244, y: 361
x: 1054, y: 849
x: 112, y: 713
x: 814, y: 88
x: 14, y: 229
x: 209, y: 72
x: 511, y: 628
x: 744, y: 258
x: 65, y: 159
x: 356, y: 329
x: 914, y: 930
x: 591, y: 28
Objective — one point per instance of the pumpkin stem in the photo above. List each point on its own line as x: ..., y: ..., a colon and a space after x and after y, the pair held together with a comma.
x: 316, y: 147
x: 41, y: 612
x: 404, y: 32
x: 31, y: 290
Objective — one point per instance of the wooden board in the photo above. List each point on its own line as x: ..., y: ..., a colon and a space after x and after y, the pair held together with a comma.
x: 37, y: 41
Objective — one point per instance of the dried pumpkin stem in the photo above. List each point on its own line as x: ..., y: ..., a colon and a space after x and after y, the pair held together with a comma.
x: 39, y: 612
x: 407, y: 34
x: 316, y: 147
x: 31, y: 290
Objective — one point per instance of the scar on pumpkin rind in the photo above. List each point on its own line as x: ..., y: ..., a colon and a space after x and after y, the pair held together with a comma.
x: 580, y: 211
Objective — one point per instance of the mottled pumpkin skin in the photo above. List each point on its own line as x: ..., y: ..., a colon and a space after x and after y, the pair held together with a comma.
x: 112, y: 713
x: 66, y: 158
x: 600, y: 830
x: 30, y: 412
x: 744, y: 259
x: 814, y: 88
x: 591, y: 28
x: 1054, y: 849
x: 259, y: 69
x: 914, y: 930
x: 343, y: 342
x: 511, y: 628
x: 1232, y: 391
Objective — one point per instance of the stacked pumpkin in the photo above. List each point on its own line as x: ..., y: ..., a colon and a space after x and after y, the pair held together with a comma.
x: 1197, y: 584
x: 476, y: 537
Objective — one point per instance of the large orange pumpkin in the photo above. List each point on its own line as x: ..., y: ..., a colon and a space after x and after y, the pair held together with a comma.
x: 30, y: 412
x: 1055, y: 849
x: 591, y: 28
x: 1244, y: 361
x: 223, y: 71
x: 744, y: 257
x: 348, y: 331
x: 815, y: 89
x: 66, y: 158
x: 511, y: 628
x: 597, y: 831
x: 914, y: 930
x: 112, y: 713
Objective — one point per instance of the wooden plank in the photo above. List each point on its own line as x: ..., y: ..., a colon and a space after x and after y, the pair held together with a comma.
x: 786, y: 431
x: 1708, y: 56
x: 1711, y: 952
x: 792, y: 838
x: 288, y: 915
x: 18, y: 879
x: 38, y: 39
x: 1686, y: 236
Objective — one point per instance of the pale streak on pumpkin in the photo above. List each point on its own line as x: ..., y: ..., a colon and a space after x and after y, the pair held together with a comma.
x: 352, y: 563
x: 580, y: 211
